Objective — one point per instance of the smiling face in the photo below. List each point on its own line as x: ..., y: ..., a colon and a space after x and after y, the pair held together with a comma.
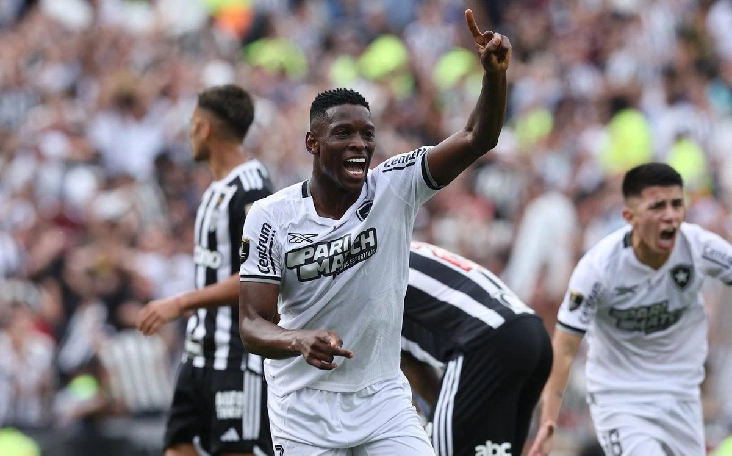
x: 343, y: 145
x: 655, y: 216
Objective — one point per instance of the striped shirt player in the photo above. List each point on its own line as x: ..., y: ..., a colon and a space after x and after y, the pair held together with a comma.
x: 495, y: 352
x: 321, y: 265
x: 217, y: 374
x: 647, y: 336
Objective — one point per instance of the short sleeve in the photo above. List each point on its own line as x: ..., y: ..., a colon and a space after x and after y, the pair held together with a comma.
x: 260, y: 253
x: 716, y: 256
x: 409, y: 177
x: 584, y: 294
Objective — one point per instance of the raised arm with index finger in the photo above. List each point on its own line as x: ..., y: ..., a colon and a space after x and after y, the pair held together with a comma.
x: 453, y: 155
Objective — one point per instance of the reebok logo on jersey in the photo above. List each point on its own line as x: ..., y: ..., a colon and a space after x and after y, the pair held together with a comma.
x: 647, y: 319
x: 715, y: 256
x: 682, y: 275
x: 622, y: 291
x: 208, y: 258
x: 229, y: 404
x: 332, y: 257
x: 299, y: 238
x: 493, y: 449
x: 264, y: 249
x: 230, y: 436
x: 280, y: 450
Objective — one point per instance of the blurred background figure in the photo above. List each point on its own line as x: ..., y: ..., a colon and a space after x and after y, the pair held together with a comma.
x: 98, y: 194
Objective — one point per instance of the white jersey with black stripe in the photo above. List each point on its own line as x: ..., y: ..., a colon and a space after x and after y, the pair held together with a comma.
x: 347, y: 275
x: 646, y: 328
x: 212, y: 334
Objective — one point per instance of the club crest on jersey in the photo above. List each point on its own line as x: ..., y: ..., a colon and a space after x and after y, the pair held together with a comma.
x: 244, y: 250
x: 364, y: 209
x: 331, y: 258
x: 575, y: 300
x: 299, y: 238
x: 682, y: 275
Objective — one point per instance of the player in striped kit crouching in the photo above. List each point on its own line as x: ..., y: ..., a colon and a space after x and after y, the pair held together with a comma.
x: 495, y: 352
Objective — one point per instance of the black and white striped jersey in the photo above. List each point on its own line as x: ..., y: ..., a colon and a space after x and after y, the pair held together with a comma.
x: 212, y: 335
x: 452, y: 304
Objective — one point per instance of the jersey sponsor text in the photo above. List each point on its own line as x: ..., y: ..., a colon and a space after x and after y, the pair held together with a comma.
x: 332, y: 257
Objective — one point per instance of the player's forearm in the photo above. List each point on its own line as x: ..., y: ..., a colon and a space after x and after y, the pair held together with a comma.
x: 553, y: 394
x: 486, y: 120
x: 422, y: 377
x: 266, y: 339
x: 224, y: 293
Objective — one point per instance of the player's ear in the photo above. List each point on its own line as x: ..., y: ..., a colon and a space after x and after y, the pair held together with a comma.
x: 628, y: 214
x: 311, y: 143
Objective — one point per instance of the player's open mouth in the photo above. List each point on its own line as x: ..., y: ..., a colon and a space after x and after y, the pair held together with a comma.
x: 355, y: 167
x: 667, y: 237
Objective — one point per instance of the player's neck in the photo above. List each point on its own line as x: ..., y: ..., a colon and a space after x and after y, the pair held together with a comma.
x: 329, y: 200
x: 224, y: 158
x: 648, y: 257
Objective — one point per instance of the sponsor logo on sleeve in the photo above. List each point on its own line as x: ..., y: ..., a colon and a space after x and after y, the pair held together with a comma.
x: 721, y: 259
x: 265, y: 243
x: 575, y: 300
x: 403, y: 160
x: 244, y: 250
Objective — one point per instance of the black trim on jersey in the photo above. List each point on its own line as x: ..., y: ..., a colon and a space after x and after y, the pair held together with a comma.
x: 428, y: 179
x: 571, y: 329
x: 305, y: 189
x: 248, y: 276
x: 628, y: 239
x: 453, y: 279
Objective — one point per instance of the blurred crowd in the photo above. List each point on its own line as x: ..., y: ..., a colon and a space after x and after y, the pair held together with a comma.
x: 98, y: 190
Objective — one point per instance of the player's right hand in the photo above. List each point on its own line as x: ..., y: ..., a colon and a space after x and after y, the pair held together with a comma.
x: 544, y: 440
x: 157, y: 313
x: 320, y: 347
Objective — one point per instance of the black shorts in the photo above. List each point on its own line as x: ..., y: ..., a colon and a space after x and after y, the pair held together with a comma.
x: 488, y: 393
x: 227, y: 410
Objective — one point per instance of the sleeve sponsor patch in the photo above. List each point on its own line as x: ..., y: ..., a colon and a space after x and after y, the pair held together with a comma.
x: 575, y: 300
x: 244, y: 250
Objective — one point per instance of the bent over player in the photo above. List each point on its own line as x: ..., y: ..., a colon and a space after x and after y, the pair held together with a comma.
x: 331, y: 256
x: 636, y: 295
x: 495, y: 351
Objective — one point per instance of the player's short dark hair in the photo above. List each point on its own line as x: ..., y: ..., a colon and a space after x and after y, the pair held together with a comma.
x: 335, y: 97
x: 650, y: 175
x: 232, y: 105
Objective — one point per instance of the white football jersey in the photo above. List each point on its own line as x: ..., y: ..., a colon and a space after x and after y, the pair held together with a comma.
x: 646, y: 328
x: 348, y: 276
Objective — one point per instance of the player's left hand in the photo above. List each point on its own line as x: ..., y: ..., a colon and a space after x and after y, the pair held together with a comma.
x: 157, y: 313
x: 494, y: 48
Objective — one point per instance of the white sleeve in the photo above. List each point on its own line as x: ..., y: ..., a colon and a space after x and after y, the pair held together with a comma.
x: 409, y: 177
x: 260, y: 251
x: 716, y: 256
x: 585, y: 292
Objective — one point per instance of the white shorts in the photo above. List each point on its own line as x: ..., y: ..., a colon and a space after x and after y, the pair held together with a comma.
x: 666, y: 427
x: 378, y: 420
